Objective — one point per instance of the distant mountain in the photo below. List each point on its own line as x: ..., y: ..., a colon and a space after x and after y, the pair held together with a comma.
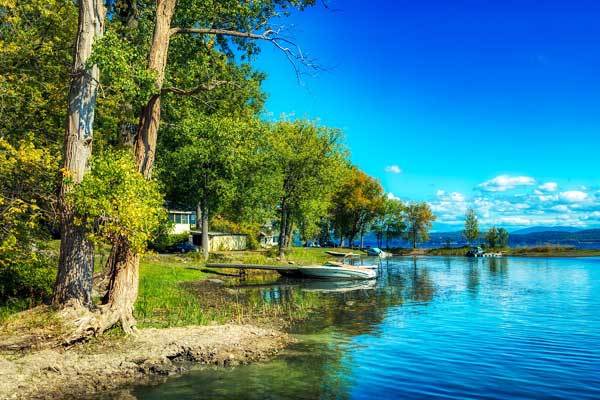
x: 558, y: 237
x: 536, y: 229
x: 564, y: 236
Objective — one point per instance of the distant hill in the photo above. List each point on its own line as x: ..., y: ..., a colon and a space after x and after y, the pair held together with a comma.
x: 536, y: 229
x: 559, y: 237
x: 565, y: 236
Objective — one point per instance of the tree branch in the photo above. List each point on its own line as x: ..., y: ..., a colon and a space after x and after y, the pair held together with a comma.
x: 225, y: 32
x: 292, y: 51
x: 190, y: 92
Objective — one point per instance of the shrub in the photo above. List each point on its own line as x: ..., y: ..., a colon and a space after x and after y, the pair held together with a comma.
x: 27, y: 278
x: 163, y: 241
x: 114, y: 202
x: 28, y: 176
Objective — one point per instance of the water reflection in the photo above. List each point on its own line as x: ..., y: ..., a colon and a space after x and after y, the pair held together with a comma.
x: 427, y: 328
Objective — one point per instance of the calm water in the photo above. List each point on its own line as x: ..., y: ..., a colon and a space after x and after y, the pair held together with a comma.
x: 431, y: 328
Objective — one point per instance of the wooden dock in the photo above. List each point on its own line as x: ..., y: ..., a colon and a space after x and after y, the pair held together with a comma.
x: 278, y: 268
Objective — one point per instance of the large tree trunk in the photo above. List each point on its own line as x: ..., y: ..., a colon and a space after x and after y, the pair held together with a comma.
x: 282, y: 230
x: 123, y: 289
x: 76, y: 264
x: 145, y: 144
x: 288, y: 230
x: 198, y: 216
x: 205, y: 241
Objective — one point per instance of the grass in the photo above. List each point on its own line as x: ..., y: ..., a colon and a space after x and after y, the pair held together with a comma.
x: 174, y: 291
x: 297, y: 255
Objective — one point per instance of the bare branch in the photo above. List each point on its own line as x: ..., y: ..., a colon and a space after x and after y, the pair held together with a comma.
x: 291, y: 50
x: 190, y: 92
x: 226, y: 32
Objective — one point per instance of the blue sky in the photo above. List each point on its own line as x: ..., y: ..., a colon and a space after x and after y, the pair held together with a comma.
x: 489, y: 104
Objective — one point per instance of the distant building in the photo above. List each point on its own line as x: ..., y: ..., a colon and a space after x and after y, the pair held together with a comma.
x: 183, y: 221
x: 221, y: 241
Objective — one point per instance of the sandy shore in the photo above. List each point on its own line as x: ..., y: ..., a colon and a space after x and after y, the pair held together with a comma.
x: 109, y: 364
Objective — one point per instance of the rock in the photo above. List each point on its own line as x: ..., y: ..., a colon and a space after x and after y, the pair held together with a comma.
x: 215, y: 281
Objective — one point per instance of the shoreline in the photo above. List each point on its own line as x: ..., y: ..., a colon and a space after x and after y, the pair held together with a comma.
x: 108, y: 365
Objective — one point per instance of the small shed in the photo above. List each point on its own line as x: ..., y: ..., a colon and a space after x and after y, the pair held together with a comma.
x: 221, y: 241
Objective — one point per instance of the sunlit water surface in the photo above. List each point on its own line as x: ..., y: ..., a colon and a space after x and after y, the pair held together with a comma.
x: 430, y: 328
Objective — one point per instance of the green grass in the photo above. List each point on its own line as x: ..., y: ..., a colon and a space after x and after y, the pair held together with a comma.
x: 297, y: 255
x: 173, y: 291
x: 162, y: 298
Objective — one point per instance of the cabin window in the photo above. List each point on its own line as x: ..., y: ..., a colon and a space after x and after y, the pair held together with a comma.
x: 182, y: 218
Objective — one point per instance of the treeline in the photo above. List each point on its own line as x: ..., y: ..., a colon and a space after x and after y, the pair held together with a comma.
x: 162, y: 106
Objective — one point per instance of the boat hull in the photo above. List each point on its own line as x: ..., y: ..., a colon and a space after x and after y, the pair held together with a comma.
x: 342, y: 273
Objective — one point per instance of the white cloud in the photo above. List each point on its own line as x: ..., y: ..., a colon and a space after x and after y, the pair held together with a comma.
x: 543, y: 205
x: 503, y: 183
x: 574, y: 196
x: 458, y: 197
x: 548, y: 187
x: 393, y: 169
x: 392, y: 196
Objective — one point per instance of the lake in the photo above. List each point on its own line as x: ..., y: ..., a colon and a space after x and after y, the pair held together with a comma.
x: 512, y: 328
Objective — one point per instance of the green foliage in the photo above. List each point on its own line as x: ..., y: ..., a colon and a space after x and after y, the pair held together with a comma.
x: 491, y: 237
x: 164, y: 241
x: 205, y: 157
x: 419, y: 219
x: 36, y: 41
x: 114, y: 201
x: 390, y: 222
x: 27, y: 278
x: 126, y: 82
x: 309, y: 162
x: 357, y: 203
x: 471, y: 232
x: 27, y: 200
x: 503, y: 237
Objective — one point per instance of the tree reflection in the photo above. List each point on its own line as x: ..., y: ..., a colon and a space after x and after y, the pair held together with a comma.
x: 473, y: 275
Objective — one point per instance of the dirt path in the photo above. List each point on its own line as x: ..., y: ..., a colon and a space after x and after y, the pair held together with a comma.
x: 109, y: 364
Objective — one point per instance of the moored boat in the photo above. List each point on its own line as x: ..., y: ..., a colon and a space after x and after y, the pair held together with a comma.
x: 342, y: 271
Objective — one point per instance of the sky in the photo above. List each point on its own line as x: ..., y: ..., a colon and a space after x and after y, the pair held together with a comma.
x: 490, y: 104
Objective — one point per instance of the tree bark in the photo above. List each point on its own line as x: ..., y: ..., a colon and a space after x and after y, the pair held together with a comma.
x: 282, y: 229
x: 76, y: 263
x: 198, y: 216
x: 145, y: 143
x: 123, y: 288
x: 205, y: 241
x: 288, y: 230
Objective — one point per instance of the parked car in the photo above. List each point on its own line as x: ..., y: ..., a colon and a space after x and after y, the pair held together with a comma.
x: 311, y: 243
x: 184, y: 247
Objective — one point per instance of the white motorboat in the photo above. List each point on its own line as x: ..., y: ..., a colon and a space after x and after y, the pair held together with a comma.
x: 339, y: 271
